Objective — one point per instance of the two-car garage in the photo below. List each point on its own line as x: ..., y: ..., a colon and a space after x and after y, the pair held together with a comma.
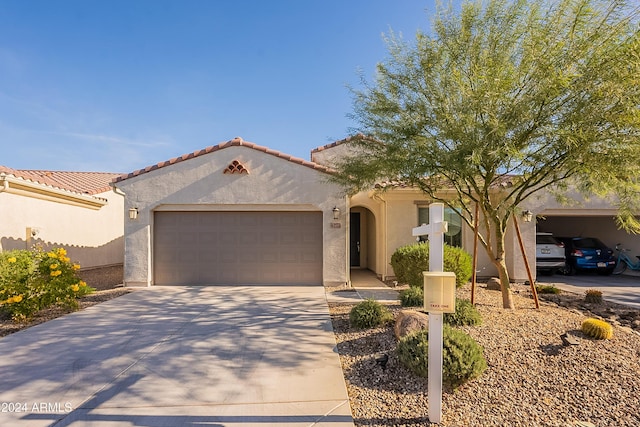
x: 234, y: 214
x: 237, y: 247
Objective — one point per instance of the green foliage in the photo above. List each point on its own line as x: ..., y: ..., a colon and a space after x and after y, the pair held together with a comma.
x: 412, y: 297
x: 547, y: 289
x: 466, y: 314
x: 462, y: 355
x: 369, y: 313
x: 410, y: 261
x: 501, y: 101
x: 32, y: 281
x: 598, y: 329
x: 593, y: 296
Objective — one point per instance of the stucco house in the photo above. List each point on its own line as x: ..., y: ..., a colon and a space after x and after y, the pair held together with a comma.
x: 78, y: 211
x: 240, y: 213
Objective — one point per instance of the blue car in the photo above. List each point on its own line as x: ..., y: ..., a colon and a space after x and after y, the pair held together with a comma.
x: 589, y: 254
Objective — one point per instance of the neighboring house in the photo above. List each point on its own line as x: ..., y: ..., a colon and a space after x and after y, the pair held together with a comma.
x: 240, y: 213
x: 78, y: 211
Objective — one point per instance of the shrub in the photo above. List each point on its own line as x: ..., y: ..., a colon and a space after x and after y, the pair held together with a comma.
x: 410, y: 261
x: 462, y: 355
x: 32, y: 281
x: 547, y: 289
x: 593, y: 296
x: 466, y: 314
x: 369, y: 313
x: 598, y: 329
x: 412, y: 297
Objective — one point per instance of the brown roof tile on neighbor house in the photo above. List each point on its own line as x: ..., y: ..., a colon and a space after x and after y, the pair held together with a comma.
x: 78, y: 182
x: 340, y: 142
x: 236, y: 142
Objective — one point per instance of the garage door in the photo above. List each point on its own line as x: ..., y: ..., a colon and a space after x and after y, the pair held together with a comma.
x: 201, y: 248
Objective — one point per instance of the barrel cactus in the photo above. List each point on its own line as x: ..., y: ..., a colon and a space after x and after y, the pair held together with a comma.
x: 598, y: 329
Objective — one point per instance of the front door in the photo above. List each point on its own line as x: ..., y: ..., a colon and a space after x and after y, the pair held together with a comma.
x: 354, y: 237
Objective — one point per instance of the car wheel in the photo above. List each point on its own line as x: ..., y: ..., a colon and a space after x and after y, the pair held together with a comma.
x: 568, y: 270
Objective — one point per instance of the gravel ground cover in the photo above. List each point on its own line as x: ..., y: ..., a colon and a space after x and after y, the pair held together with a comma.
x: 532, y: 378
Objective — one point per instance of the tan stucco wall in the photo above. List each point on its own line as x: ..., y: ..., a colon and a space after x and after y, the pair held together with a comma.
x: 273, y: 183
x: 91, y: 237
x: 396, y: 213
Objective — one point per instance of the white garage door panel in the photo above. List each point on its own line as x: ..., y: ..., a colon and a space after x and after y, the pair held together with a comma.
x: 237, y: 248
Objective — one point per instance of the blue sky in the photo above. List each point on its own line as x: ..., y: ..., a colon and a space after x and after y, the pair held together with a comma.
x: 117, y: 85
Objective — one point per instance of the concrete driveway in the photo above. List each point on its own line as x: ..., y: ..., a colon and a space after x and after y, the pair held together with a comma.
x: 623, y: 289
x: 180, y: 356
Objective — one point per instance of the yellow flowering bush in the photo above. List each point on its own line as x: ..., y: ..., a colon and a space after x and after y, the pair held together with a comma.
x: 32, y: 281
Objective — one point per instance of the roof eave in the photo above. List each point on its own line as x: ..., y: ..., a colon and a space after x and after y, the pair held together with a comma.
x: 13, y: 185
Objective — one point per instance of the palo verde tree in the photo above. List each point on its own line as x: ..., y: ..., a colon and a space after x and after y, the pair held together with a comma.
x: 502, y: 100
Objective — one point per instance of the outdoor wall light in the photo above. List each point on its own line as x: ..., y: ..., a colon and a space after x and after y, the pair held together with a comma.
x: 133, y: 213
x: 336, y: 212
x: 527, y: 216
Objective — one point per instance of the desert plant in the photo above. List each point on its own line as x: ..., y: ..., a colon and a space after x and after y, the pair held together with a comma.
x: 466, y: 314
x: 412, y: 297
x: 598, y: 329
x: 547, y: 289
x: 369, y: 313
x: 593, y: 296
x: 410, y: 261
x: 32, y: 281
x: 462, y: 355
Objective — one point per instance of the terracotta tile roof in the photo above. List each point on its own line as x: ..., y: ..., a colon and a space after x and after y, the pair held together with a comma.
x: 78, y: 182
x: 342, y: 141
x: 236, y: 142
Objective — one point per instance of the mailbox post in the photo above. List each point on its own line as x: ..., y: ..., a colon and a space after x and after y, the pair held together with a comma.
x: 439, y: 297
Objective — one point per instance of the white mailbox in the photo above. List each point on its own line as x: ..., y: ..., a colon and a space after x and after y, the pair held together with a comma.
x: 439, y: 291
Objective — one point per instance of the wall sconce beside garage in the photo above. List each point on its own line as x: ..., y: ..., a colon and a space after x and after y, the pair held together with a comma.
x: 133, y: 213
x: 336, y: 212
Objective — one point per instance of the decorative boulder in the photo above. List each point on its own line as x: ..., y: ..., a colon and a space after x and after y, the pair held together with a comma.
x: 409, y: 321
x: 493, y: 284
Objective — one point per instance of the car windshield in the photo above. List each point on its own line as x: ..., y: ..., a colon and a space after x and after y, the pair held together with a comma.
x: 588, y: 243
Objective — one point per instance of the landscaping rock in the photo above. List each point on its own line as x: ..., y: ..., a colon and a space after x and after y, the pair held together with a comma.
x: 493, y: 284
x: 409, y: 321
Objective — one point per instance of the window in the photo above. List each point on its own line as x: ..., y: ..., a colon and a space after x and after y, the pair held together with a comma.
x: 453, y: 237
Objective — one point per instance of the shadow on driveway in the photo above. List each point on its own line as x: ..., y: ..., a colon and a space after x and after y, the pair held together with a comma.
x: 168, y: 356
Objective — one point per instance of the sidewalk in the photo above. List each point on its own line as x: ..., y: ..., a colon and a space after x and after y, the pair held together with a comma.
x: 364, y: 285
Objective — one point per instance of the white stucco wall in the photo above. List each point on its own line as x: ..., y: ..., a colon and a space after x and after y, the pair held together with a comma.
x: 91, y: 237
x: 273, y: 183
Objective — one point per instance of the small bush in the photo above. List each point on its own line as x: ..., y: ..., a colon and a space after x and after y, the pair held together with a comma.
x: 412, y: 297
x: 462, y: 355
x: 466, y: 314
x: 410, y: 261
x: 547, y: 289
x: 32, y: 281
x: 369, y: 313
x: 593, y: 296
x: 598, y: 329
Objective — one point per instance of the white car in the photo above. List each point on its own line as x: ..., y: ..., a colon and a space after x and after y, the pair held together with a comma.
x: 550, y: 256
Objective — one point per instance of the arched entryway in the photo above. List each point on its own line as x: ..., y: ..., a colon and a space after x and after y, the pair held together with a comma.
x: 362, y: 238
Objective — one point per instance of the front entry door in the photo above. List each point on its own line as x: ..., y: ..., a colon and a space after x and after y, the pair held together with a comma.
x: 354, y: 237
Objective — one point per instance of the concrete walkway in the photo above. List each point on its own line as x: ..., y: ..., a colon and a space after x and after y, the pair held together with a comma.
x: 180, y: 356
x: 364, y: 285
